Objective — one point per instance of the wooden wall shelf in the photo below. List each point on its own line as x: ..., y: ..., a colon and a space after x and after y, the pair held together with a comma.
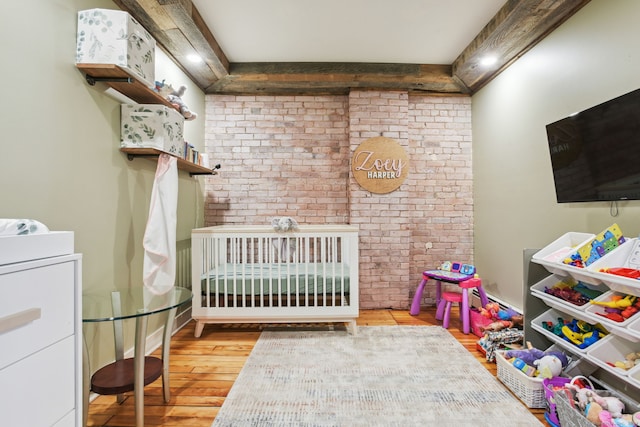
x: 183, y: 164
x: 125, y: 83
x: 119, y: 79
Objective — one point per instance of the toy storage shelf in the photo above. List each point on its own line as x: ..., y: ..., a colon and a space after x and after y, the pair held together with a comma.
x: 538, y: 307
x: 185, y: 165
x: 120, y: 80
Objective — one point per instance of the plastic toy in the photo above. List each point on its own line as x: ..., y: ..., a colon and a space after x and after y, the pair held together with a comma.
x: 490, y: 310
x: 507, y: 314
x: 580, y: 339
x: 497, y: 326
x: 604, y: 242
x: 586, y: 291
x: 524, y: 367
x: 617, y: 301
x: 453, y: 272
x: 631, y: 273
x: 630, y: 360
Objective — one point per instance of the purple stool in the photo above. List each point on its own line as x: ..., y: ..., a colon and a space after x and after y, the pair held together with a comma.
x: 443, y: 311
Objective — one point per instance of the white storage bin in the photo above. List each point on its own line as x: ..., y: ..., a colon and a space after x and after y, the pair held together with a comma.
x: 152, y: 126
x: 551, y: 256
x: 538, y: 290
x: 598, y: 311
x: 113, y: 37
x: 626, y: 256
x: 610, y: 350
x: 553, y: 316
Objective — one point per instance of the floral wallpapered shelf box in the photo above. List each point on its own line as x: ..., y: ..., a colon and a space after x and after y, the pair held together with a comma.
x: 114, y: 37
x: 152, y: 126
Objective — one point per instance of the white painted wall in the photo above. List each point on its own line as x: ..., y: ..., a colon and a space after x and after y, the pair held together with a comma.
x: 60, y: 161
x: 591, y: 58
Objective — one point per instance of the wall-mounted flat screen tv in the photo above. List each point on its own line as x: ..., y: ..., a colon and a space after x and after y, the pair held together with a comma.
x: 595, y: 154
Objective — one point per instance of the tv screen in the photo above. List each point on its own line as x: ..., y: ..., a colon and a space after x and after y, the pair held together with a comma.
x: 595, y: 154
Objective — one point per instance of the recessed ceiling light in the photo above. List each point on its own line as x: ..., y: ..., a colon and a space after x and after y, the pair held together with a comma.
x: 194, y: 58
x: 488, y: 61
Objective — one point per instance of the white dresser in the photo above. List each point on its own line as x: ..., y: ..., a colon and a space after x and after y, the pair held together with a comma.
x: 40, y: 331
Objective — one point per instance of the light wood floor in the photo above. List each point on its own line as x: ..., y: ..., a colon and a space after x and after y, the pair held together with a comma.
x: 202, y: 371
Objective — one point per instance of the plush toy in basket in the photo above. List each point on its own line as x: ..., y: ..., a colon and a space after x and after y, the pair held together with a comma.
x: 581, y: 405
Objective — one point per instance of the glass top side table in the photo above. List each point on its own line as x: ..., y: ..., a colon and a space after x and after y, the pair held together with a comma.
x: 126, y: 374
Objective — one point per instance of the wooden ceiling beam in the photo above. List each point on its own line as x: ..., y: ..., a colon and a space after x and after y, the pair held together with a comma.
x: 308, y: 78
x: 180, y: 30
x: 514, y: 30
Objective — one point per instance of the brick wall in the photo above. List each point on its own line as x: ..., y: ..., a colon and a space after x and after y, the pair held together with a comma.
x: 290, y: 155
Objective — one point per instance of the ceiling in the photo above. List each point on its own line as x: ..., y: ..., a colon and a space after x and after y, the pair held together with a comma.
x: 377, y: 31
x: 332, y: 46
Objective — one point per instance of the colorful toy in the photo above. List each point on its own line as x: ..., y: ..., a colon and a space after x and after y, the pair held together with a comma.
x: 490, y: 310
x: 619, y: 308
x: 531, y: 355
x: 617, y: 301
x: 631, y: 273
x: 603, y: 243
x: 524, y: 367
x: 497, y: 326
x: 452, y: 272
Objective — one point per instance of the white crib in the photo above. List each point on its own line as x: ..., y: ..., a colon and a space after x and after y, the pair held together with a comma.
x: 253, y: 274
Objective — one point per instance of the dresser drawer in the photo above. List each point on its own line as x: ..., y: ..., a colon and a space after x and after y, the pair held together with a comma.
x: 47, y: 288
x: 40, y: 389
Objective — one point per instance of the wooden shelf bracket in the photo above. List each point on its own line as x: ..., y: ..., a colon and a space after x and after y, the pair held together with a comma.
x: 93, y: 80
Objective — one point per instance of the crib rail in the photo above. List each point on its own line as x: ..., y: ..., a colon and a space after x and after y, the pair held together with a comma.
x: 253, y: 273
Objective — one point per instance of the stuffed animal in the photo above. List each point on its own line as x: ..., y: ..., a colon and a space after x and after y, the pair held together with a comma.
x: 593, y: 411
x: 175, y: 98
x: 587, y: 398
x: 548, y: 366
x: 530, y: 355
x: 284, y: 223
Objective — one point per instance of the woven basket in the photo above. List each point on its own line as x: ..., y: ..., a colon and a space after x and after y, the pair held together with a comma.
x: 569, y: 416
x: 529, y: 390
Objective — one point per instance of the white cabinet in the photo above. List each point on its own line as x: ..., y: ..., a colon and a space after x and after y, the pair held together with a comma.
x: 541, y: 308
x: 40, y: 333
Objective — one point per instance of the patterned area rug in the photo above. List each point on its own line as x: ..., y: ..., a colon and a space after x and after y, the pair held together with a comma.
x: 383, y: 376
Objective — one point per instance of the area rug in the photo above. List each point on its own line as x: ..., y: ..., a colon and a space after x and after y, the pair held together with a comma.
x: 383, y: 376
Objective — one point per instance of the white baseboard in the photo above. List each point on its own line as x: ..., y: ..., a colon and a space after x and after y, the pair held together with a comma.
x: 475, y: 302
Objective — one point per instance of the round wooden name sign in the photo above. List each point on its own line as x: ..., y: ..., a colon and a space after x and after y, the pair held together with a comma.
x: 380, y: 165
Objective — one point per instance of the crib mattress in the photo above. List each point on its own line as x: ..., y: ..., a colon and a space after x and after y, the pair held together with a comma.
x: 277, y: 278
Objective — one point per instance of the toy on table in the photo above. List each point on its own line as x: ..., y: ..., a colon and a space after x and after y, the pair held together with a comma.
x: 453, y: 272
